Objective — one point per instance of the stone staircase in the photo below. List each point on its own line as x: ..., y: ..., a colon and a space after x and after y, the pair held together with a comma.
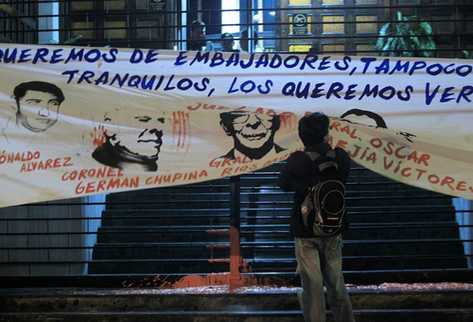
x: 397, y: 234
x: 184, y: 229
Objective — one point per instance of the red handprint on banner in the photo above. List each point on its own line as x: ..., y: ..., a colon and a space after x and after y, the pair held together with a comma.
x: 98, y: 136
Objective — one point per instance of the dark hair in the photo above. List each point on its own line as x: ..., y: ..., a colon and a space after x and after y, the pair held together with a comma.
x: 227, y: 35
x: 313, y: 128
x: 197, y: 24
x: 21, y: 89
x: 196, y: 41
x: 244, y: 37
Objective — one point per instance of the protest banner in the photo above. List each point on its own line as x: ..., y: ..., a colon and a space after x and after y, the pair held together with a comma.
x: 76, y: 121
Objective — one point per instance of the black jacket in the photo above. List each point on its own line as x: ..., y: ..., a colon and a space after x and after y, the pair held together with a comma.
x: 299, y: 173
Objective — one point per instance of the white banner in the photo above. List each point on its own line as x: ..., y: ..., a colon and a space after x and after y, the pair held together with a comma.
x: 76, y: 121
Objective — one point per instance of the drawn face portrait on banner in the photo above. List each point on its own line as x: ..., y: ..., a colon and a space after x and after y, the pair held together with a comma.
x: 37, y: 105
x: 364, y: 117
x: 252, y: 132
x: 372, y: 119
x: 134, y: 145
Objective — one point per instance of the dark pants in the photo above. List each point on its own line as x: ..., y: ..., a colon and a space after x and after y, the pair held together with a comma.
x: 319, y: 263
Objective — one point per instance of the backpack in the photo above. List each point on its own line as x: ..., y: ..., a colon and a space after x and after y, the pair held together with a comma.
x: 323, y: 207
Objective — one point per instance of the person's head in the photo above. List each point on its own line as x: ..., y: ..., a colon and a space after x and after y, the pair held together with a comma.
x: 37, y: 105
x: 313, y: 128
x: 252, y: 132
x: 245, y: 41
x: 134, y: 141
x: 364, y: 117
x: 197, y: 35
x: 227, y: 41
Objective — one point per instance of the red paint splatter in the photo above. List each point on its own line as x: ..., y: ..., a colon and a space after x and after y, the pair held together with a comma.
x: 98, y: 136
x: 180, y: 128
x: 288, y: 120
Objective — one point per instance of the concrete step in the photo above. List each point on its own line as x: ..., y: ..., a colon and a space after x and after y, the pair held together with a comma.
x: 267, y: 232
x: 146, y: 234
x: 265, y: 214
x: 270, y: 249
x: 158, y: 266
x: 258, y: 186
x: 161, y: 250
x: 367, y: 277
x: 274, y: 204
x: 382, y: 315
x: 367, y: 263
x: 258, y: 210
x: 157, y: 219
x: 265, y: 264
x: 356, y: 214
x: 270, y: 305
x: 257, y: 297
x: 406, y: 196
x: 352, y: 248
x: 406, y: 231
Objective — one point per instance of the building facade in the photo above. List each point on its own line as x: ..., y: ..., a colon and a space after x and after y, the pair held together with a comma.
x: 18, y: 22
x: 323, y: 26
x: 121, y: 23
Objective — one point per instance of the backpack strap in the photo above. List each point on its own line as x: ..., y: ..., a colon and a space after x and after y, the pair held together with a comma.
x: 313, y: 155
x: 331, y: 154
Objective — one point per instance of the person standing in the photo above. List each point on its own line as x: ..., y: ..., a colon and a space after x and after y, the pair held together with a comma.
x: 319, y: 259
x: 228, y: 42
x: 197, y: 37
